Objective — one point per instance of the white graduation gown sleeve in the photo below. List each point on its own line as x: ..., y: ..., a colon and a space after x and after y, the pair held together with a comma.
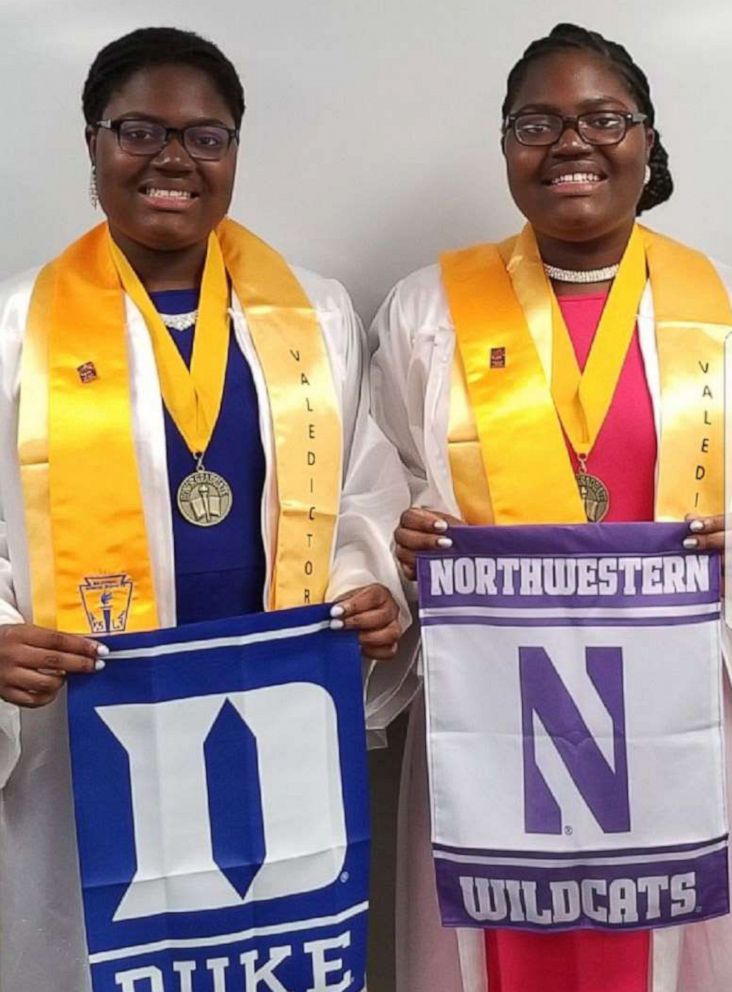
x: 9, y: 612
x: 373, y: 491
x: 9, y: 716
x: 374, y: 495
x: 13, y: 307
x: 412, y: 342
x: 701, y: 956
x: 373, y: 486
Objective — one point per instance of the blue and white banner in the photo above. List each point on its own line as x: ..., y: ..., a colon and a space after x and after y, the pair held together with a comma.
x: 573, y: 681
x: 219, y: 775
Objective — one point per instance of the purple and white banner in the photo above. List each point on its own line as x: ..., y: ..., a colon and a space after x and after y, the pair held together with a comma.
x: 574, y: 729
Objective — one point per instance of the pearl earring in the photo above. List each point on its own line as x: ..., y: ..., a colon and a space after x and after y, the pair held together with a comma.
x: 647, y: 176
x: 93, y: 194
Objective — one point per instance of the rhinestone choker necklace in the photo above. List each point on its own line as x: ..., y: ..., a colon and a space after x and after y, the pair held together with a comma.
x: 180, y: 321
x: 581, y: 275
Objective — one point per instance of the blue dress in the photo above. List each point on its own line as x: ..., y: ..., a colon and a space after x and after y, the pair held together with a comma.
x: 219, y: 570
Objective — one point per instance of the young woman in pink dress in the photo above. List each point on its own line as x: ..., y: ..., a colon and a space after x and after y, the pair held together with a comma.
x: 583, y: 159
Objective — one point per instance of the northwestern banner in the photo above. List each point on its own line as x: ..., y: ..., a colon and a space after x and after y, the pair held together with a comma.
x: 222, y: 808
x: 573, y: 679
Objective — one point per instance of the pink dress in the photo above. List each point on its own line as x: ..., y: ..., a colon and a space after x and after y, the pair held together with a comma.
x: 624, y: 457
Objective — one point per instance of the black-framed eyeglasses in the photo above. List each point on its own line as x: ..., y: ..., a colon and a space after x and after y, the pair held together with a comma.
x: 206, y: 142
x: 597, y: 127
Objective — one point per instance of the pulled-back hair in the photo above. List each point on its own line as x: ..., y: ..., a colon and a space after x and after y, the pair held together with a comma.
x: 122, y: 58
x: 570, y: 36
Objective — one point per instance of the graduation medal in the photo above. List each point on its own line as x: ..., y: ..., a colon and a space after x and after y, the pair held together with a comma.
x: 193, y: 396
x: 594, y: 494
x: 204, y: 498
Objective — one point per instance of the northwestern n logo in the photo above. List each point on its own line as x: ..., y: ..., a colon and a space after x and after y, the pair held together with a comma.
x: 602, y: 786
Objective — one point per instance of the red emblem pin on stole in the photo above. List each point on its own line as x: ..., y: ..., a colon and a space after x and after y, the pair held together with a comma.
x: 498, y: 358
x: 87, y: 372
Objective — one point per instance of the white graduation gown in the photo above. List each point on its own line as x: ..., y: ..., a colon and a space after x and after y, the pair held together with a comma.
x: 42, y: 944
x: 412, y: 341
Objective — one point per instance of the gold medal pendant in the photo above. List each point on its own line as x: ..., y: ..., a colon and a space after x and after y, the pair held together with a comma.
x: 594, y: 495
x: 593, y: 492
x: 204, y: 498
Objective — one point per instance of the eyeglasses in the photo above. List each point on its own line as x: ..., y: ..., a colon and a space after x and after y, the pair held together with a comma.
x: 206, y: 142
x: 599, y: 127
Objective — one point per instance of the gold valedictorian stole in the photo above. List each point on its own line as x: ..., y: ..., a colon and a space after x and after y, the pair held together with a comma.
x: 90, y: 561
x: 517, y: 392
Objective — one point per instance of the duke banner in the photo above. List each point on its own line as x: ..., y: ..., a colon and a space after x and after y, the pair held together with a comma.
x: 573, y: 680
x: 222, y: 808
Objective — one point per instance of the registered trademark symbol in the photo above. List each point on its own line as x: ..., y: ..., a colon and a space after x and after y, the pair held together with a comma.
x: 345, y: 876
x: 568, y: 831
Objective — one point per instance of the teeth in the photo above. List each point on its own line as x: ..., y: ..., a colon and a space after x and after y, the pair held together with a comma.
x: 576, y: 177
x: 173, y: 194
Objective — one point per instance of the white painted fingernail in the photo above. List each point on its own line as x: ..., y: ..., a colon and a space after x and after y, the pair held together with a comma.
x: 696, y: 525
x: 336, y: 625
x: 444, y: 542
x: 99, y: 665
x: 690, y: 543
x: 102, y: 650
x: 440, y: 525
x: 337, y: 611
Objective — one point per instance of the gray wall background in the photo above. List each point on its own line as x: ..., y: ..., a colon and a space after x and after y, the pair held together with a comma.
x: 369, y: 145
x: 370, y: 142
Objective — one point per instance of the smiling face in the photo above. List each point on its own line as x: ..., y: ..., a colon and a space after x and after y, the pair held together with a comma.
x: 168, y: 201
x: 573, y: 191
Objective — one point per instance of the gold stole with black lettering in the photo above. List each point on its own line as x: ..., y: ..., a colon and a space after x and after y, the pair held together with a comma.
x: 88, y: 543
x: 508, y: 457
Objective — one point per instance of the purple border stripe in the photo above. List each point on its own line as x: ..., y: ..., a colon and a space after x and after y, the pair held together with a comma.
x: 568, y: 621
x: 605, y: 897
x: 488, y: 565
x: 605, y: 853
x: 571, y: 539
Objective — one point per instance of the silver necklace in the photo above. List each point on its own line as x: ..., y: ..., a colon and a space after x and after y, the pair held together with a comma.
x: 581, y: 275
x: 180, y: 321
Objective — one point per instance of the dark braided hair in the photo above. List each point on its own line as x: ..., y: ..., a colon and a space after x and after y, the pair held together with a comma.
x: 570, y: 36
x: 122, y: 58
